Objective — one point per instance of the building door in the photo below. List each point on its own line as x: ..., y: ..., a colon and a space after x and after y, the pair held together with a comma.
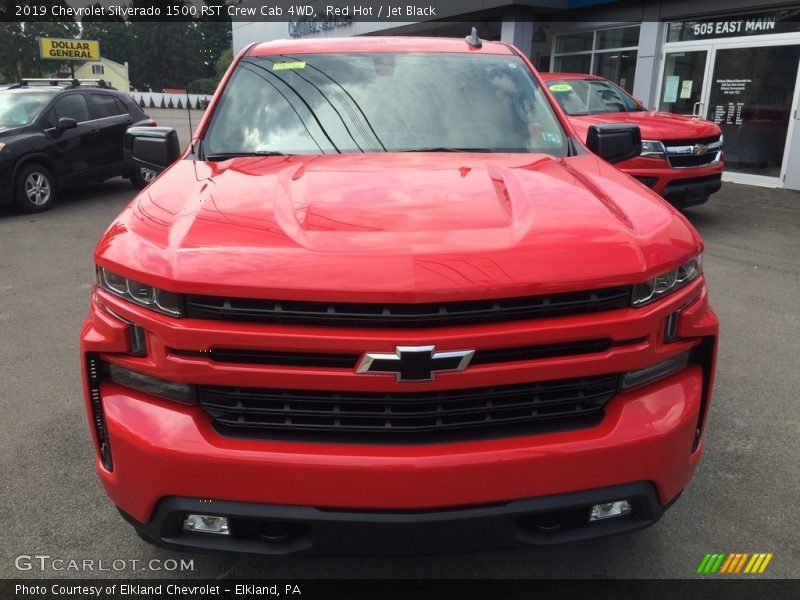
x: 682, y: 81
x: 751, y: 95
x: 791, y: 177
x: 749, y: 90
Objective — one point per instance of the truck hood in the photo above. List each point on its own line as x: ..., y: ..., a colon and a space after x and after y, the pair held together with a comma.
x: 420, y: 227
x: 654, y: 125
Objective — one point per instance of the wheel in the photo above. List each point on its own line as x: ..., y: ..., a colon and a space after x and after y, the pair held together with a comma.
x: 35, y: 188
x: 142, y: 176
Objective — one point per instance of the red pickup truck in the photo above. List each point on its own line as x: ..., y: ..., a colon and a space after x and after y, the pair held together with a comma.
x: 389, y: 301
x: 681, y: 156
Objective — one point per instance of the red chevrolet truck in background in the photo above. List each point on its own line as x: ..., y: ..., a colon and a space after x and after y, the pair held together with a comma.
x: 681, y: 156
x: 388, y: 301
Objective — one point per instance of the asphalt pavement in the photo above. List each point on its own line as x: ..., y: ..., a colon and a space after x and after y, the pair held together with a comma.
x: 744, y: 497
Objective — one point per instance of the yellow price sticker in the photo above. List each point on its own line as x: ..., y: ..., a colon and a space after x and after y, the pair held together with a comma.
x: 560, y: 87
x: 285, y: 66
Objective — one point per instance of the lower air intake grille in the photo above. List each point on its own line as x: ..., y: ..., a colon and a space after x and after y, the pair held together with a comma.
x: 420, y: 417
x: 93, y: 375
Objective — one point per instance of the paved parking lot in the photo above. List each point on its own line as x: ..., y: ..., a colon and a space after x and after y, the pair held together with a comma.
x: 743, y: 498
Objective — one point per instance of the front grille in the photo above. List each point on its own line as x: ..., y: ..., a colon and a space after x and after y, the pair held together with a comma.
x: 414, y: 417
x: 681, y: 153
x: 690, y: 142
x: 438, y: 314
x: 349, y: 361
x: 682, y: 161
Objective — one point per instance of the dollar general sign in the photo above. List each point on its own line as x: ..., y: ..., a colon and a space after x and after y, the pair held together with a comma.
x: 58, y: 49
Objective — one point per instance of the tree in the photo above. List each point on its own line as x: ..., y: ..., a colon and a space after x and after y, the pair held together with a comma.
x: 223, y: 62
x: 215, y: 34
x: 113, y: 33
x: 21, y: 58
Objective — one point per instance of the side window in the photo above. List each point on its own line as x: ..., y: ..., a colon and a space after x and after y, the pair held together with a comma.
x: 52, y: 120
x: 121, y: 108
x: 105, y: 105
x: 73, y: 106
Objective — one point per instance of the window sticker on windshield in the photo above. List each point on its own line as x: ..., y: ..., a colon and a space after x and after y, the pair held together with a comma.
x: 299, y: 64
x: 560, y: 87
x: 551, y: 138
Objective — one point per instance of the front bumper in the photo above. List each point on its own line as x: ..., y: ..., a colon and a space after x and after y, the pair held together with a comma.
x: 681, y: 187
x: 163, y: 450
x: 282, y: 530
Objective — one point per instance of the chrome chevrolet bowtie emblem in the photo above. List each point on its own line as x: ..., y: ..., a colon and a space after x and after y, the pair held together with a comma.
x: 700, y: 149
x: 414, y: 363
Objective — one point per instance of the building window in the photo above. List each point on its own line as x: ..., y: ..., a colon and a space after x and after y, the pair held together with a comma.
x: 609, y: 53
x: 97, y: 69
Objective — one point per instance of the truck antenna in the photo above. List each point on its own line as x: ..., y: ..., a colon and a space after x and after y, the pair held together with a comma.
x: 473, y: 39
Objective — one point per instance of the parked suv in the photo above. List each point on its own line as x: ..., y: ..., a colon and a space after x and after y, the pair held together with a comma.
x: 387, y: 301
x: 52, y: 136
x: 681, y: 156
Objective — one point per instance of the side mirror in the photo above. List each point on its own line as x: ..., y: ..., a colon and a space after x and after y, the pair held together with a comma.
x: 613, y: 142
x: 153, y: 147
x: 65, y: 123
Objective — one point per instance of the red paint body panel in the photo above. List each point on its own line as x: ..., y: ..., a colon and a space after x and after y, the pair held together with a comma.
x: 654, y: 125
x: 167, y: 450
x: 396, y: 228
x: 448, y: 226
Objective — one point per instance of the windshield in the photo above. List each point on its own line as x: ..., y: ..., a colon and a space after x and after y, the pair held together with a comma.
x: 18, y: 109
x: 591, y: 96
x: 382, y: 102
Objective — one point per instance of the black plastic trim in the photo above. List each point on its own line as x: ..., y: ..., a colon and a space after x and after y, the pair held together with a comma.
x: 436, y: 314
x: 306, y: 530
x: 691, y: 192
x: 408, y: 417
x: 349, y: 361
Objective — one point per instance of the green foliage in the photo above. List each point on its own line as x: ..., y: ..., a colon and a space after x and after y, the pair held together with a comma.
x: 223, y: 62
x: 20, y: 56
x: 206, y: 85
x: 159, y: 54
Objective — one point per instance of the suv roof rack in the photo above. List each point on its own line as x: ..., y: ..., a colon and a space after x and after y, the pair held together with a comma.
x: 66, y: 82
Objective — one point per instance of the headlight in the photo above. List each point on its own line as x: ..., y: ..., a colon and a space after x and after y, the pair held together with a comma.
x: 653, y: 148
x: 161, y: 301
x: 665, y: 284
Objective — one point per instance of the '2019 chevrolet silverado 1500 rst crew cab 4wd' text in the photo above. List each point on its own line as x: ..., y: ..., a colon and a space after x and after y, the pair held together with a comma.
x: 387, y: 301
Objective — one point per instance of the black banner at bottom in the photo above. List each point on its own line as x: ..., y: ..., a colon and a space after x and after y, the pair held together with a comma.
x: 377, y: 589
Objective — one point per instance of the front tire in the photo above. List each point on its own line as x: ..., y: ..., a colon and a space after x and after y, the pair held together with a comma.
x: 35, y: 188
x: 142, y: 176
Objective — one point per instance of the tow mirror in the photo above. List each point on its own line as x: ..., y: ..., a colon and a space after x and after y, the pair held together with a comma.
x: 65, y: 123
x: 153, y: 147
x: 615, y: 142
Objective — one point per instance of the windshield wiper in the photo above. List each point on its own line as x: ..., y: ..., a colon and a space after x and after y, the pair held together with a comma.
x: 227, y: 155
x: 444, y: 149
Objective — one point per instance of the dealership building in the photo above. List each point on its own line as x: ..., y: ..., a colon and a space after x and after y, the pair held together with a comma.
x: 736, y: 62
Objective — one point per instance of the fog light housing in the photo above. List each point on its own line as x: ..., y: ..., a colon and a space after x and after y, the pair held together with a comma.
x: 610, y: 510
x: 206, y: 524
